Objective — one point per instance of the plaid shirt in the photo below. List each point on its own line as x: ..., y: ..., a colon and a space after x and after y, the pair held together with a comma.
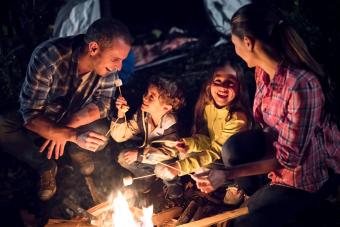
x: 292, y: 105
x: 51, y: 86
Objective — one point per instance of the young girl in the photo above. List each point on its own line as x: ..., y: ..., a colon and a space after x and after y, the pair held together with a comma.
x: 155, y: 121
x: 220, y: 112
x: 291, y: 103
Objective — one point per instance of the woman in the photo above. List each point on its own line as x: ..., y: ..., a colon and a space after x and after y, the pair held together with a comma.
x: 297, y: 126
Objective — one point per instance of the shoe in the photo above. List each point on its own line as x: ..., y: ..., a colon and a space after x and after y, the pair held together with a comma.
x: 48, y: 185
x: 84, y: 161
x: 233, y: 196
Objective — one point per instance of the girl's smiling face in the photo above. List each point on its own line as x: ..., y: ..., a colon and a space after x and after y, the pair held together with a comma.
x: 224, y: 87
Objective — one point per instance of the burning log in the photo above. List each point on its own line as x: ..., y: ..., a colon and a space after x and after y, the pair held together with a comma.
x: 96, y: 197
x: 67, y: 223
x: 201, y: 212
x: 188, y: 213
x: 217, y: 219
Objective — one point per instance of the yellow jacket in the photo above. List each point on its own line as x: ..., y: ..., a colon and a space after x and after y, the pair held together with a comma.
x: 207, y: 146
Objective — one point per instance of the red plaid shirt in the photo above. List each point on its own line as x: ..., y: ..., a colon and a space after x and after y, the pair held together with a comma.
x: 292, y: 104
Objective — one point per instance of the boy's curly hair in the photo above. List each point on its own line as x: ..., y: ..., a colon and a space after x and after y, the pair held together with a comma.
x: 170, y: 91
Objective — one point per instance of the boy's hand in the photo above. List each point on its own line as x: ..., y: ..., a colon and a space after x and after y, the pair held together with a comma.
x: 122, y: 106
x: 130, y: 156
x: 167, y: 173
x: 182, y: 147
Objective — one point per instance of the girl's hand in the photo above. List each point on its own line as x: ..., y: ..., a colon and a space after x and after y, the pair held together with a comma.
x: 167, y: 173
x: 122, y: 106
x: 182, y: 147
x: 130, y: 156
x: 211, y: 180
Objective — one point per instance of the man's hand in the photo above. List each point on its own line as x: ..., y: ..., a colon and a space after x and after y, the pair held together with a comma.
x: 130, y: 156
x: 211, y: 180
x: 57, y: 147
x: 182, y: 147
x: 122, y: 106
x: 167, y: 173
x: 56, y: 143
x: 90, y: 140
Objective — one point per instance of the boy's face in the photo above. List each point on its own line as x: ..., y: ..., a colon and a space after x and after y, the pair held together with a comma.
x: 151, y: 102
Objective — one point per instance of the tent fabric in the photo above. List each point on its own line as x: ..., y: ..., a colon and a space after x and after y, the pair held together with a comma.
x: 221, y: 11
x: 75, y: 17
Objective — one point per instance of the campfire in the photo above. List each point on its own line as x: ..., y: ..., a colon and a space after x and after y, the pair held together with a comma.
x: 117, y: 212
x: 122, y: 215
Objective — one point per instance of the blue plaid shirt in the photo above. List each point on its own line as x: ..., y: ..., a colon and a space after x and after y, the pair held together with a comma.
x: 51, y: 84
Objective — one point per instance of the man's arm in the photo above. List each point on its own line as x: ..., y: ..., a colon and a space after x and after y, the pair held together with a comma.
x: 88, y: 114
x: 49, y: 130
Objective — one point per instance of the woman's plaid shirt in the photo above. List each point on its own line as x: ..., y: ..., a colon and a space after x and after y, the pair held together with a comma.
x: 292, y: 104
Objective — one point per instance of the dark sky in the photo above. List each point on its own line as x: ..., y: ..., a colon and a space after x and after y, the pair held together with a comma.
x: 145, y: 15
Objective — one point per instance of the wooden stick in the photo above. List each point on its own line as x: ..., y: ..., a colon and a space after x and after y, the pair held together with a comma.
x: 188, y: 213
x: 218, y: 218
x: 171, y: 167
x: 145, y: 176
x: 97, y: 198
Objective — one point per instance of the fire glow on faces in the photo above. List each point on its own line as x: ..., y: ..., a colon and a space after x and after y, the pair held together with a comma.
x: 110, y: 59
x: 151, y: 101
x: 224, y: 87
x: 243, y: 49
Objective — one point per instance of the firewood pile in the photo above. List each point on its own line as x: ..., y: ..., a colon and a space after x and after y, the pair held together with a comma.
x: 195, y: 209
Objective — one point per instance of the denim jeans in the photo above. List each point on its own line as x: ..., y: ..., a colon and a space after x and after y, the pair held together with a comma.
x: 24, y: 144
x: 270, y: 205
x: 245, y: 147
x: 276, y: 206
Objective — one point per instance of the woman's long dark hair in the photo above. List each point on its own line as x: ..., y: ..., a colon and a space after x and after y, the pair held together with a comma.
x: 281, y: 41
x: 241, y: 101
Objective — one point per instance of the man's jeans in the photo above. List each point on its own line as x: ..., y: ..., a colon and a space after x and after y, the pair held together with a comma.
x: 24, y: 144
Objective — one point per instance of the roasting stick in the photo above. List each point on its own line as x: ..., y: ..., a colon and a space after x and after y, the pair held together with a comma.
x: 129, y: 180
x: 118, y: 82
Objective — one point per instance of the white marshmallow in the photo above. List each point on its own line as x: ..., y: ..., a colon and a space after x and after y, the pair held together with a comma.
x: 127, y: 181
x: 118, y: 82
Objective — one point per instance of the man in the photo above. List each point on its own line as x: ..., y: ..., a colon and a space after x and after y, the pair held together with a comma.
x: 68, y: 88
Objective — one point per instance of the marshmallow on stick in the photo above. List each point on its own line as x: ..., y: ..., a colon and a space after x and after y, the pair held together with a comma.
x: 118, y: 82
x: 127, y: 181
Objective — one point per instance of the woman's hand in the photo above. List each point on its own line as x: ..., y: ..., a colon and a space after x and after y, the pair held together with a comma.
x: 211, y: 180
x: 182, y: 147
x: 122, y: 106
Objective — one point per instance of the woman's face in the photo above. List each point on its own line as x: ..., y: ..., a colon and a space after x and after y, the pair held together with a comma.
x: 243, y: 50
x: 224, y: 86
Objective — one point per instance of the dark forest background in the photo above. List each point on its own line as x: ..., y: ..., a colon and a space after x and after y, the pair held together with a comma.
x: 26, y: 23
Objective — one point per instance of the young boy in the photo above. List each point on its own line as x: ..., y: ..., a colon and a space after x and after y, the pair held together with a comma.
x: 155, y: 121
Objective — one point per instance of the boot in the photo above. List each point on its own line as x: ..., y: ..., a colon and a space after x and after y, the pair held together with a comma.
x: 48, y: 185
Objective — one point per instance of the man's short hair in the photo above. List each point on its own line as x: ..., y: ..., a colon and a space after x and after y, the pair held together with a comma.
x: 105, y: 30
